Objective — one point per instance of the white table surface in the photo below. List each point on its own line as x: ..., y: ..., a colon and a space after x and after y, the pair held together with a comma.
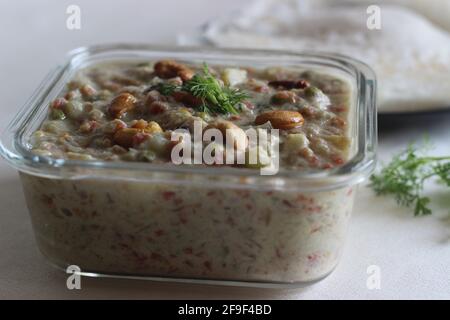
x: 413, y: 254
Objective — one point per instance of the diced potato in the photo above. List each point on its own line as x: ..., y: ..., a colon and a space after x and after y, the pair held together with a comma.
x: 339, y: 142
x: 55, y: 126
x: 74, y: 109
x: 42, y: 153
x: 317, y: 98
x: 321, y: 147
x: 296, y: 141
x: 39, y: 134
x: 130, y: 155
x: 157, y: 143
x: 96, y: 114
x: 276, y: 73
x: 146, y: 155
x: 79, y: 156
x: 205, y: 116
x: 153, y: 127
x: 232, y: 76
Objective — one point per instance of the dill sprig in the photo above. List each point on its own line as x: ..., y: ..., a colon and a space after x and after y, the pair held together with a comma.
x: 166, y: 89
x: 215, y: 97
x: 405, y: 176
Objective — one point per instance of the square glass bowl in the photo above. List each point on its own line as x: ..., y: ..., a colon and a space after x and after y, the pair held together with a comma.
x: 227, y: 226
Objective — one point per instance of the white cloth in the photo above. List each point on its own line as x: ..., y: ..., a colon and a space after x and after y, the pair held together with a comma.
x: 410, y: 54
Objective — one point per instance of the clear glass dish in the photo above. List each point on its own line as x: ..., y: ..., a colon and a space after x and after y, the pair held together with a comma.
x: 233, y: 227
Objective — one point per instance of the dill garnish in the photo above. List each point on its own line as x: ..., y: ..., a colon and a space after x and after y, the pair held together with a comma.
x: 166, y: 89
x: 405, y: 176
x: 215, y: 97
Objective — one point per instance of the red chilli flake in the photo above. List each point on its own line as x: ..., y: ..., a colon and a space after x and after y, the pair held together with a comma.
x: 208, y: 265
x: 168, y: 195
x: 230, y: 221
x: 288, y: 204
x: 178, y: 201
x: 183, y: 218
x: 140, y: 258
x: 47, y: 200
x: 327, y: 166
x: 155, y: 256
x: 278, y: 253
x: 338, y: 160
x: 313, y: 161
x: 93, y: 125
x: 313, y: 258
x: 249, y: 105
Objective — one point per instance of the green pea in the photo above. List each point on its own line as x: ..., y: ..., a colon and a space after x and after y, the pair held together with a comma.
x: 312, y: 92
x: 57, y: 114
x: 205, y: 116
x: 147, y: 155
x: 144, y: 64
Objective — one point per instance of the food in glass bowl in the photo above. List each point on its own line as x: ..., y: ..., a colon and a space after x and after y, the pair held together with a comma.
x: 105, y: 194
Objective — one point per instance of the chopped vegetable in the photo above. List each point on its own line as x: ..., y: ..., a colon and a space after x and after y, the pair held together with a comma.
x: 312, y: 92
x: 73, y: 109
x: 296, y: 141
x: 114, y: 107
x: 57, y: 114
x: 234, y: 76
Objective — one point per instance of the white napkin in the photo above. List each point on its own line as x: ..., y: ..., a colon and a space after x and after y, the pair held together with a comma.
x: 410, y: 54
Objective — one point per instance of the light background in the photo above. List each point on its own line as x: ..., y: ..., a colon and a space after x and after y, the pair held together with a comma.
x: 413, y: 253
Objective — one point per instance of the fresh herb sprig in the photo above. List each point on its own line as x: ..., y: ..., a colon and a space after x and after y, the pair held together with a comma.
x: 166, y: 89
x: 215, y: 97
x: 405, y: 176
